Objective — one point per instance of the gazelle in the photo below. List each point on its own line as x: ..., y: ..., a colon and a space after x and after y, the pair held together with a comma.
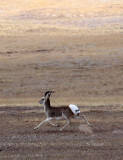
x: 72, y: 111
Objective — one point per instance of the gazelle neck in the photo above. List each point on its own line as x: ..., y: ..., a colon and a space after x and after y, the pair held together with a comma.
x: 47, y: 104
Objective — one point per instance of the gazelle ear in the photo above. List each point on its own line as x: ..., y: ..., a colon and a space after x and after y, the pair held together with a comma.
x: 52, y: 91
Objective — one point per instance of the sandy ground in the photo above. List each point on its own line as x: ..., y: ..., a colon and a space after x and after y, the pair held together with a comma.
x: 18, y: 140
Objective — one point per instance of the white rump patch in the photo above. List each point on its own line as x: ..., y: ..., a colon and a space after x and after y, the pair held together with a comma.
x: 74, y: 109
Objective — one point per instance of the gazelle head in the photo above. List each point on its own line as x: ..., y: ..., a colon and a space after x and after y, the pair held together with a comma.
x: 42, y: 100
x: 46, y: 96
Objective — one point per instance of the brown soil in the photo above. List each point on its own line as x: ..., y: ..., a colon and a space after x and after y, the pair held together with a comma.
x: 18, y: 141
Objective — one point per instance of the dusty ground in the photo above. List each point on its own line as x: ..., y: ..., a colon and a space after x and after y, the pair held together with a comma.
x: 18, y: 140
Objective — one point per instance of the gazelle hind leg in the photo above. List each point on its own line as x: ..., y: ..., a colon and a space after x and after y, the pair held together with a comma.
x: 68, y: 122
x: 84, y: 117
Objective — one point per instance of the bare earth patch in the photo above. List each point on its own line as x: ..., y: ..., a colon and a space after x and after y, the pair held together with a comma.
x: 85, y: 129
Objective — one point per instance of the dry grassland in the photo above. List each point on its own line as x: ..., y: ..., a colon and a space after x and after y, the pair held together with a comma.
x: 76, y: 66
x: 74, y: 48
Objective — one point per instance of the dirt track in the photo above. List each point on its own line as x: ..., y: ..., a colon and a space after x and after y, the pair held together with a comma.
x: 18, y: 141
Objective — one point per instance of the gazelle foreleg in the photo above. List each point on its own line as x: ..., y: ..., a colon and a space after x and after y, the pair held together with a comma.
x: 46, y: 120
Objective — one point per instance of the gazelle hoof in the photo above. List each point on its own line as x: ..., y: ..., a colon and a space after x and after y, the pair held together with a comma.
x: 61, y: 130
x: 90, y: 125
